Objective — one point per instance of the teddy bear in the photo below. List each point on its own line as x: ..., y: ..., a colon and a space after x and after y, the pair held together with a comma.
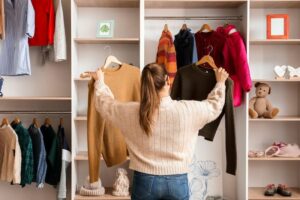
x: 260, y: 106
x: 121, y: 185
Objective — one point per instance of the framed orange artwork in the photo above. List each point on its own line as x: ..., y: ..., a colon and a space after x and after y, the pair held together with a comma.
x: 278, y: 26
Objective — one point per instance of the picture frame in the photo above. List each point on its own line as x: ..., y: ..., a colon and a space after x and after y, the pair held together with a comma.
x: 278, y: 26
x: 105, y: 29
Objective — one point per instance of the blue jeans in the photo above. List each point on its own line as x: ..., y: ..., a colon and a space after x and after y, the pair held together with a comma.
x: 153, y: 187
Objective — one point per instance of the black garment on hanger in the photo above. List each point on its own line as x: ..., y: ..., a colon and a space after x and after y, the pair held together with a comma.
x: 53, y: 150
x: 184, y: 44
x: 193, y: 82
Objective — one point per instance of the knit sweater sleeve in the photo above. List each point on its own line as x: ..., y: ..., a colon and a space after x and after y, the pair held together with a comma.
x: 209, y: 109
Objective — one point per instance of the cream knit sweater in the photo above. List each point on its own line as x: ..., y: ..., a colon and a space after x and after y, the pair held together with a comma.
x: 170, y: 148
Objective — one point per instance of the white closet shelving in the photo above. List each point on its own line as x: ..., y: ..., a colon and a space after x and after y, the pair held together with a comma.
x: 88, y: 53
x: 264, y: 55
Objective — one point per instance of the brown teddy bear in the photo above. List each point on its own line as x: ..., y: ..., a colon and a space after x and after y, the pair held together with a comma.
x: 260, y: 106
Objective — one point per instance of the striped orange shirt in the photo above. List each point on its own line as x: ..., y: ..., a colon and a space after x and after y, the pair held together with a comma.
x: 166, y: 54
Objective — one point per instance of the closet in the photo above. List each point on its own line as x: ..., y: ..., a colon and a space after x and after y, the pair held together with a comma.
x: 44, y: 94
x: 194, y: 14
x: 89, y: 53
x: 264, y: 56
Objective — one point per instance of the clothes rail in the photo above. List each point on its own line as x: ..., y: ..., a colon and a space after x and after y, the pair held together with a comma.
x: 35, y: 112
x: 193, y: 17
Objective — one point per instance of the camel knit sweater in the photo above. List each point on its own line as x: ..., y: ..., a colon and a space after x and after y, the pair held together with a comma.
x: 170, y: 148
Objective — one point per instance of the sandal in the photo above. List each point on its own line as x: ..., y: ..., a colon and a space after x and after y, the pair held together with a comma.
x: 270, y: 190
x: 283, y: 190
x: 290, y: 150
x: 256, y: 154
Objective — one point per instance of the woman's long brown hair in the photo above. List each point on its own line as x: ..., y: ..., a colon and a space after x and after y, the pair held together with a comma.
x: 152, y: 81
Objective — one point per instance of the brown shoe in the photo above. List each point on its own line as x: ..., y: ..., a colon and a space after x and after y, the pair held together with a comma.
x: 270, y: 190
x: 283, y: 190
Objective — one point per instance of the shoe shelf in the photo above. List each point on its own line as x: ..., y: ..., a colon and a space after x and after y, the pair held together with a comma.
x: 108, y: 3
x: 277, y: 119
x: 274, y: 4
x: 274, y: 159
x: 257, y: 193
x: 107, y: 196
x: 275, y: 42
x: 107, y: 40
x: 83, y: 156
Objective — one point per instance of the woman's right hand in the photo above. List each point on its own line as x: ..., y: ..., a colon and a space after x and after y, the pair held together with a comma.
x: 97, y: 75
x: 221, y: 75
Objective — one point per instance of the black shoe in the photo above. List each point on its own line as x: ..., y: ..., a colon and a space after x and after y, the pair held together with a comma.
x: 270, y: 190
x: 283, y: 190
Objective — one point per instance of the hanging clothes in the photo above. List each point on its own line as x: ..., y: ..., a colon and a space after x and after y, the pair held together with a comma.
x: 20, y: 25
x: 103, y: 138
x: 60, y: 43
x: 195, y: 83
x: 39, y: 155
x: 166, y: 54
x: 216, y: 40
x: 53, y: 150
x: 27, y: 153
x: 2, y: 20
x: 66, y: 160
x: 184, y: 45
x: 44, y: 23
x: 236, y: 62
x: 10, y: 156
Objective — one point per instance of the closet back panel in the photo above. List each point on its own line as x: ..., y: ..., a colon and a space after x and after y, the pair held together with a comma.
x: 51, y: 79
x: 280, y: 94
x: 152, y: 31
x: 126, y: 21
x: 264, y: 58
x: 258, y: 22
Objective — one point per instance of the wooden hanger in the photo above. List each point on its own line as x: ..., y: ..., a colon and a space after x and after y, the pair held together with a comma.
x: 205, y: 28
x: 208, y: 59
x: 35, y: 123
x: 5, y: 122
x: 184, y: 27
x: 16, y: 120
x: 61, y: 121
x: 166, y: 28
x: 47, y: 122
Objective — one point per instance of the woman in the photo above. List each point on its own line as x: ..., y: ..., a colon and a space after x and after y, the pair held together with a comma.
x: 160, y: 133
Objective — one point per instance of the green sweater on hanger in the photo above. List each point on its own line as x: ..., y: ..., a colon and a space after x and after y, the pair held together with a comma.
x: 26, y: 152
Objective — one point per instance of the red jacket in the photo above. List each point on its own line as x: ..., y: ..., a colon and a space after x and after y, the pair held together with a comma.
x: 44, y: 23
x: 236, y: 62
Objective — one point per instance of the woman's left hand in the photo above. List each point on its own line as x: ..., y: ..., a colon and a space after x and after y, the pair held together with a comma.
x: 97, y: 75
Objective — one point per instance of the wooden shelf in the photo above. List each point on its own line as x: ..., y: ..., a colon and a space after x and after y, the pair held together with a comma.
x: 108, y: 196
x: 274, y: 159
x: 83, y: 156
x: 80, y: 118
x: 278, y: 119
x: 82, y: 79
x: 277, y: 81
x: 36, y: 98
x: 257, y: 193
x: 276, y: 42
x: 275, y: 4
x: 107, y: 40
x: 108, y: 3
x: 194, y: 3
